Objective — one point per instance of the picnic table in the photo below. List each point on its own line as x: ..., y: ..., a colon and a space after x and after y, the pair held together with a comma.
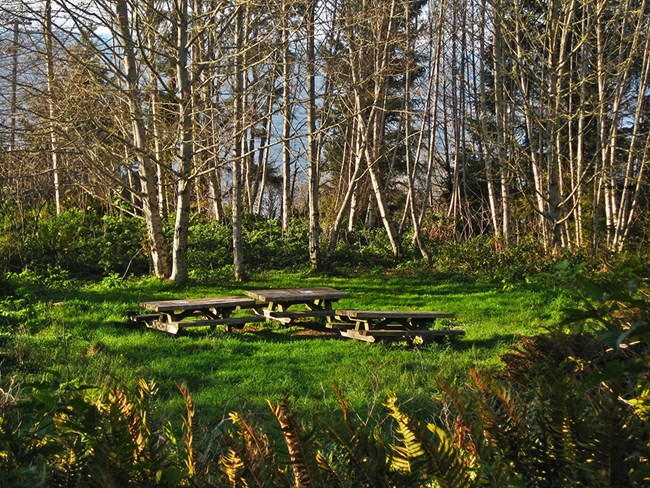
x: 174, y: 315
x: 275, y: 303
x: 372, y: 325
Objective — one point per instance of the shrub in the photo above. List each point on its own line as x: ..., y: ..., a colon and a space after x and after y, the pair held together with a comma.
x: 365, y: 247
x: 266, y: 246
x: 83, y: 242
x: 209, y: 245
x: 123, y: 246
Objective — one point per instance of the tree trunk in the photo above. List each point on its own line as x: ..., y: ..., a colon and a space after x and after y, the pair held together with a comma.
x: 238, y: 148
x: 286, y: 118
x: 312, y: 143
x: 49, y: 63
x: 185, y: 146
x: 146, y: 170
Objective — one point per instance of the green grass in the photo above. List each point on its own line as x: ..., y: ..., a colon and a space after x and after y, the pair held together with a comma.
x: 80, y: 331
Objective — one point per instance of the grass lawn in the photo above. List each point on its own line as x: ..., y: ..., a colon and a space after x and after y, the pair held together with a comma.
x: 80, y: 331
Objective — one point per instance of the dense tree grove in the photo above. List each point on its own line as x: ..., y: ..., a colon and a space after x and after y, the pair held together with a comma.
x: 510, y: 118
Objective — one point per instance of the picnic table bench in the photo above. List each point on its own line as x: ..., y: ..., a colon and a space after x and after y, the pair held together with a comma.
x: 371, y: 325
x: 174, y: 315
x: 275, y: 303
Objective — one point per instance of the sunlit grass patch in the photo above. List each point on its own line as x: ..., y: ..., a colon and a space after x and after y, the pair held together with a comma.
x: 80, y: 330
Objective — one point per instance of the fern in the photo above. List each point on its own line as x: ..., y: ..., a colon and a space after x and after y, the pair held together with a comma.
x: 302, y: 453
x: 426, y: 451
x: 472, y: 419
x: 356, y: 456
x: 188, y: 430
x: 153, y: 442
x: 608, y: 437
x: 232, y: 465
x: 249, y: 459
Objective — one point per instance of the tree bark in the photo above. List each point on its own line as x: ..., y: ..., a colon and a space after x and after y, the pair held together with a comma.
x: 146, y: 170
x: 49, y: 64
x: 286, y: 117
x: 185, y: 144
x: 312, y: 142
x: 238, y: 147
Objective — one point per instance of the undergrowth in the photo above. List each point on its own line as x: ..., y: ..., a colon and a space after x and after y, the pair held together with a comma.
x: 92, y: 244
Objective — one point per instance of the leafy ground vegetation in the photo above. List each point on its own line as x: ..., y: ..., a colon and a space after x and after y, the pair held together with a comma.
x: 548, y: 388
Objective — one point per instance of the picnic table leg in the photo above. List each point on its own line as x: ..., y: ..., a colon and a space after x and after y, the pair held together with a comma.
x: 315, y: 305
x: 325, y: 305
x: 278, y: 307
x: 225, y: 313
x: 165, y: 322
x: 364, y: 324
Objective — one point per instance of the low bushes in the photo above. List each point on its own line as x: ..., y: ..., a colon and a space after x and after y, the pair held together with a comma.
x: 90, y: 243
x: 78, y: 242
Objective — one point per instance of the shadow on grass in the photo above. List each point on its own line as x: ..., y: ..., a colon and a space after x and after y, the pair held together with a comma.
x: 493, y: 342
x: 268, y: 335
x: 252, y: 334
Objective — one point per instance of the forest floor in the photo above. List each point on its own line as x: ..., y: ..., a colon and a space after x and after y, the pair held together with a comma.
x: 78, y: 329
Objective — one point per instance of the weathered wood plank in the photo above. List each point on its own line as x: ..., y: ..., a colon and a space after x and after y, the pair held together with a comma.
x: 354, y: 334
x: 340, y: 325
x: 176, y: 327
x: 199, y: 303
x: 287, y: 317
x: 393, y: 314
x: 228, y: 321
x: 296, y: 295
x: 170, y: 328
x: 408, y: 335
x: 298, y: 314
x: 413, y: 333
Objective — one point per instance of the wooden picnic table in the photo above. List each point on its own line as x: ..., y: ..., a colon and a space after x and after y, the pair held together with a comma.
x: 174, y: 315
x: 275, y: 303
x: 370, y: 325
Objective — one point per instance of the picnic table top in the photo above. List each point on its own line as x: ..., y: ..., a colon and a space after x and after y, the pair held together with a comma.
x: 393, y: 314
x: 199, y: 304
x: 297, y: 295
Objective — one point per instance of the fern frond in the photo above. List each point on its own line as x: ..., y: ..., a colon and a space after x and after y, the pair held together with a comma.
x: 342, y: 401
x: 188, y: 429
x: 466, y: 427
x: 299, y: 445
x: 232, y: 466
x: 358, y: 456
x: 603, y: 435
x: 257, y: 442
x: 251, y: 446
x: 410, y: 451
x: 505, y: 397
x: 426, y: 451
x: 511, y: 445
x: 68, y: 465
